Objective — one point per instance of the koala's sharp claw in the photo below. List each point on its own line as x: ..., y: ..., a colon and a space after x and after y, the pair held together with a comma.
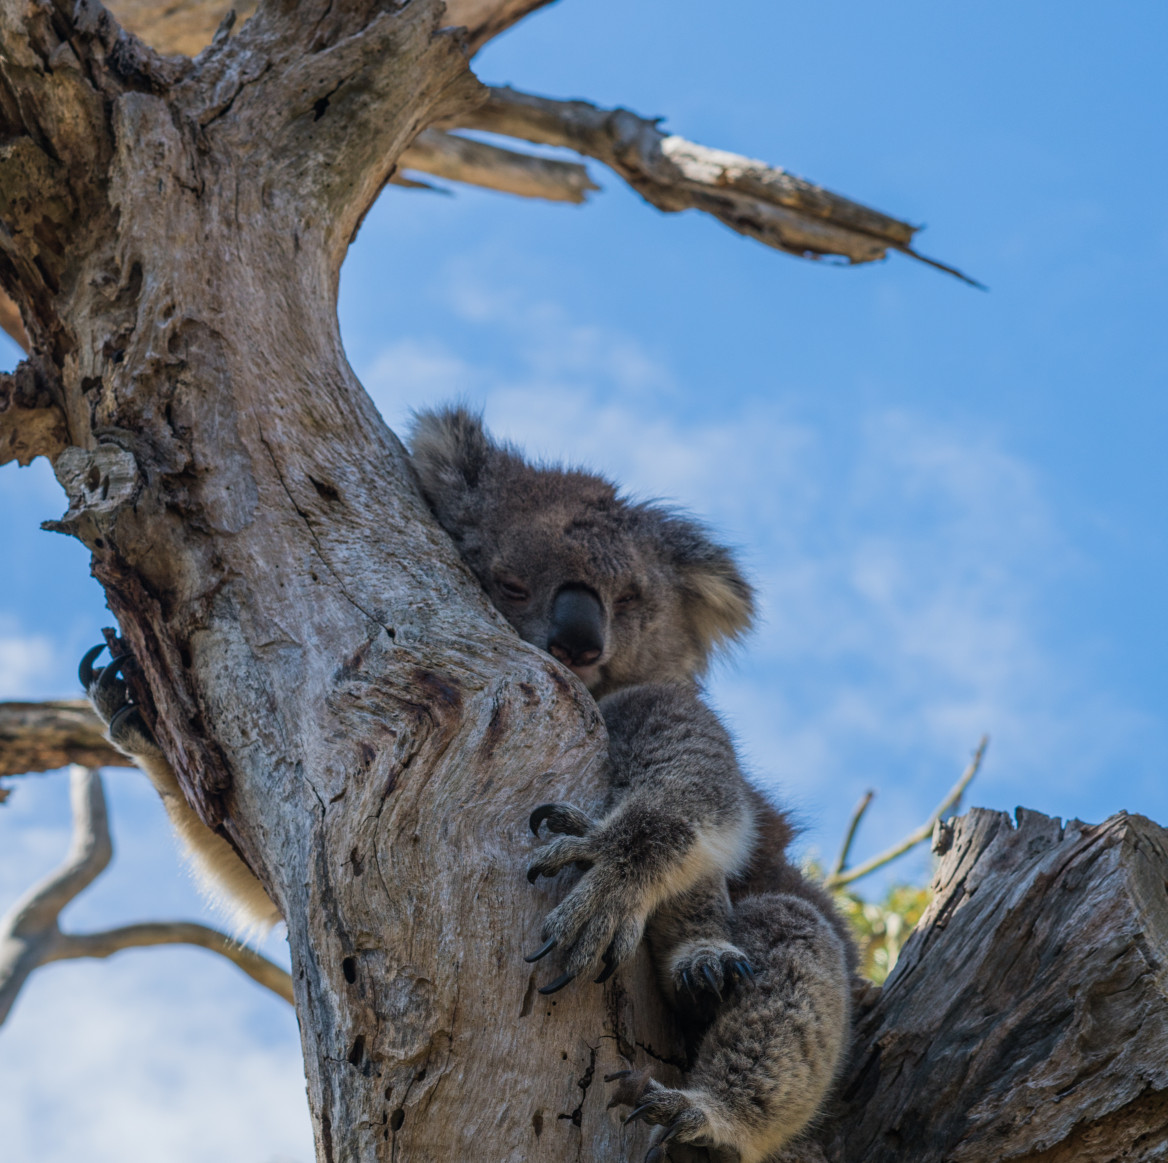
x: 108, y: 675
x: 558, y: 984
x: 746, y: 970
x: 542, y: 951
x: 708, y: 974
x: 616, y: 1075
x: 638, y: 1113
x: 119, y: 718
x: 85, y: 670
x: 539, y: 815
x: 532, y: 875
x: 657, y: 1152
x: 608, y: 970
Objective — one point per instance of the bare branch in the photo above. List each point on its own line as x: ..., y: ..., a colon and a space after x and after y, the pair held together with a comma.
x: 755, y: 199
x: 46, y: 736
x: 187, y: 26
x: 32, y: 423
x: 104, y: 944
x: 29, y: 929
x: 838, y: 879
x: 30, y: 935
x: 459, y: 159
x: 857, y: 815
x: 11, y: 323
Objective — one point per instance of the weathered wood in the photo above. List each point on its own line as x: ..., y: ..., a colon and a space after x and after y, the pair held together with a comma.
x: 323, y: 673
x: 32, y: 422
x: 49, y: 735
x: 1027, y: 1017
x: 460, y: 159
x: 187, y: 26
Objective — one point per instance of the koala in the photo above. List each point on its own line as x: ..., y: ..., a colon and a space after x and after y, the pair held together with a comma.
x: 222, y: 875
x: 635, y: 600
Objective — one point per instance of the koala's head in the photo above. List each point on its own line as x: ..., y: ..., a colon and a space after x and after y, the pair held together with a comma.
x: 619, y: 592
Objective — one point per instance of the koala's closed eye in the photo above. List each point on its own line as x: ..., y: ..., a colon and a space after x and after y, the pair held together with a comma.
x: 512, y: 590
x: 629, y: 600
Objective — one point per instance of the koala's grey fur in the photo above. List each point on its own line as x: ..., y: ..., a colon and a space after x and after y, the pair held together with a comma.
x: 683, y: 847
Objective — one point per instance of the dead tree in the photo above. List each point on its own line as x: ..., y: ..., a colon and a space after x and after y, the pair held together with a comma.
x: 332, y: 689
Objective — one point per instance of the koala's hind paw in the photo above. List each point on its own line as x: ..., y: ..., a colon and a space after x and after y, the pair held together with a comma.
x: 676, y: 1111
x: 712, y: 966
x: 109, y: 693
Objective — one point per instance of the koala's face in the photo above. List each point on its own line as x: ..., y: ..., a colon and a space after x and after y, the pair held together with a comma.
x: 580, y: 575
x: 620, y: 593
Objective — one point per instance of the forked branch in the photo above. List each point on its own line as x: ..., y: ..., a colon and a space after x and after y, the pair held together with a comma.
x: 839, y: 877
x: 30, y: 933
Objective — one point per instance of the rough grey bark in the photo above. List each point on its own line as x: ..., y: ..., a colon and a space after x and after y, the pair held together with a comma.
x: 45, y: 736
x: 1027, y: 1016
x: 323, y: 674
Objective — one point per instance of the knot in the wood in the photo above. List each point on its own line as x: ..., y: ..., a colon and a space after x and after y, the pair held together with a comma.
x: 98, y: 482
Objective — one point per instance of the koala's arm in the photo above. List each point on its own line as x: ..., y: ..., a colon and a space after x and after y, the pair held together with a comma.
x: 679, y: 816
x: 222, y: 875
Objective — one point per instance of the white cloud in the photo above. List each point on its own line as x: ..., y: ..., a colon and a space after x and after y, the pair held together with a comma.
x: 27, y: 661
x: 152, y: 1055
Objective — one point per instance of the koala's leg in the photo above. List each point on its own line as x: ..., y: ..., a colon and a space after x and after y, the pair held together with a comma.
x: 692, y: 947
x: 679, y: 814
x: 222, y: 876
x: 768, y: 1059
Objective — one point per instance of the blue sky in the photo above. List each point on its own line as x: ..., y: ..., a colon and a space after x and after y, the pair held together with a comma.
x: 952, y: 502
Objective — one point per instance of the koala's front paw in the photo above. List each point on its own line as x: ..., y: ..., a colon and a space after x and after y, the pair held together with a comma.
x: 709, y: 965
x: 601, y: 916
x: 679, y: 1113
x: 109, y: 693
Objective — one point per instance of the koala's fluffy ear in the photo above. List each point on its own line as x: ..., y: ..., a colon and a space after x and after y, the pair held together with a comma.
x: 451, y: 452
x: 718, y: 600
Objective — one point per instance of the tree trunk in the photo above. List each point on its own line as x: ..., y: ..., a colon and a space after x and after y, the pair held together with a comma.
x: 322, y: 672
x: 1027, y: 1016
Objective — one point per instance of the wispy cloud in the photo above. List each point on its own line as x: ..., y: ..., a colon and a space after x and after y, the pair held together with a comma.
x: 27, y: 661
x: 154, y: 1055
x: 902, y: 562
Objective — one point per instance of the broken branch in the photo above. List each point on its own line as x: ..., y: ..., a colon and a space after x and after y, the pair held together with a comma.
x: 460, y: 159
x: 31, y: 422
x: 49, y: 735
x: 761, y: 201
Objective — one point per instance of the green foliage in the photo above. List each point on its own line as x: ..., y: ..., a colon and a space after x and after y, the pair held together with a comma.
x: 882, y: 927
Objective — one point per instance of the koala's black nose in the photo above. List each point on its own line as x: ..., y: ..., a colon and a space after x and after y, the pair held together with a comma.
x: 576, y: 633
